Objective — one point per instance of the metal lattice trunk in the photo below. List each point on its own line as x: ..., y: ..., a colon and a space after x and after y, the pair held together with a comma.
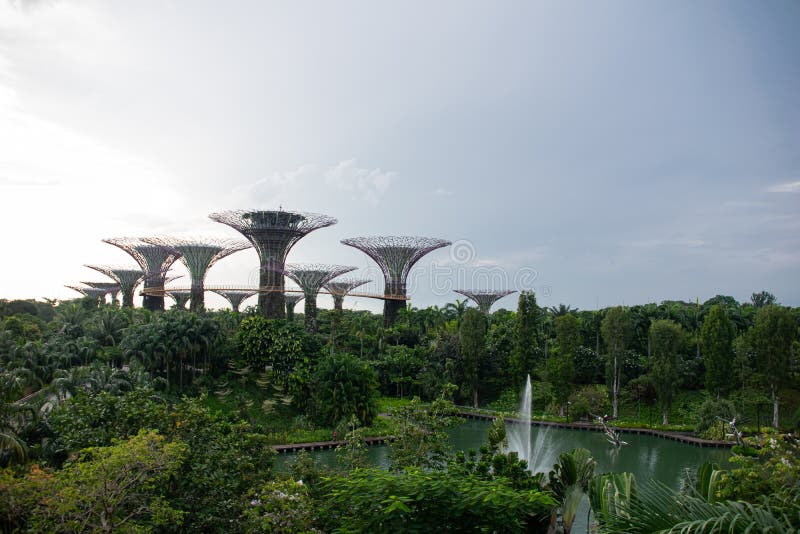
x: 395, y: 255
x: 273, y: 233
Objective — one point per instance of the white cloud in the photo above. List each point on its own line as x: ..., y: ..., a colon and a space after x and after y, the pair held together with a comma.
x: 370, y: 184
x: 441, y: 192
x: 786, y: 187
x: 275, y: 187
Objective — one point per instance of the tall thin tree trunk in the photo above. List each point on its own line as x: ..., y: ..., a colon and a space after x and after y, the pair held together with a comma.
x: 615, y: 388
x: 774, y: 406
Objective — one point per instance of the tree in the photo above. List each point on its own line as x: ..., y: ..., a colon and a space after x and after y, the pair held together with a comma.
x: 529, y: 338
x: 225, y: 459
x: 771, y: 338
x: 345, y: 386
x: 275, y: 344
x: 668, y: 340
x: 416, y: 500
x: 420, y: 431
x: 616, y: 330
x: 561, y: 369
x: 111, y: 489
x: 569, y: 482
x: 472, y: 336
x: 717, y: 334
x: 397, y: 367
x: 761, y: 299
x: 455, y: 311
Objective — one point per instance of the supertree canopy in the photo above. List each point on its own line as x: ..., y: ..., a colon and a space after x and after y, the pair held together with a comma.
x: 92, y: 292
x: 199, y: 254
x: 180, y: 296
x: 310, y: 278
x: 273, y: 233
x: 126, y: 277
x: 235, y: 296
x: 154, y: 259
x: 395, y: 255
x: 339, y: 288
x: 111, y: 288
x: 291, y: 300
x: 485, y: 298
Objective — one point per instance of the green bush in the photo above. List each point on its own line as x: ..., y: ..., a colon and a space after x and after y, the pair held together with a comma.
x: 588, y: 401
x: 506, y: 402
x: 708, y: 424
x: 374, y: 500
x: 343, y: 386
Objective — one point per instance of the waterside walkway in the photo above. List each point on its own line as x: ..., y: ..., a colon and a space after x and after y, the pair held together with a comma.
x: 683, y: 437
x: 322, y: 445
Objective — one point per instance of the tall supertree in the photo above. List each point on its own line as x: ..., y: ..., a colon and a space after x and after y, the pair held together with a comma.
x: 273, y: 233
x: 235, y: 296
x: 485, y: 298
x: 310, y: 278
x: 127, y: 278
x: 155, y: 260
x: 112, y: 288
x: 93, y: 292
x: 340, y: 288
x: 395, y: 255
x: 199, y: 254
x: 291, y: 300
x: 180, y: 296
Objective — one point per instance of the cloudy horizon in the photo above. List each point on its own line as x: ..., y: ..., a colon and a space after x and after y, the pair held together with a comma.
x: 599, y: 154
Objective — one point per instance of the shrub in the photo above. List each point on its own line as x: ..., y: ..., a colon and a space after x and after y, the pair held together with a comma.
x: 707, y: 423
x: 344, y: 386
x: 589, y: 400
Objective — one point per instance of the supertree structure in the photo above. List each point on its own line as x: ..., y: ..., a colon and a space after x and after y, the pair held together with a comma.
x: 235, y: 296
x: 291, y: 300
x: 126, y: 277
x: 339, y: 288
x: 311, y: 277
x: 112, y: 288
x: 273, y: 233
x: 199, y: 254
x: 485, y: 298
x: 395, y: 255
x: 93, y: 292
x: 180, y: 296
x: 155, y: 260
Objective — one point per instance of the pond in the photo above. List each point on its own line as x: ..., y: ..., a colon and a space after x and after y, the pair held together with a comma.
x: 647, y: 457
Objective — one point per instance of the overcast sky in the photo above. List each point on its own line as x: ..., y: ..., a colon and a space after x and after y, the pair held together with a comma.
x: 600, y: 153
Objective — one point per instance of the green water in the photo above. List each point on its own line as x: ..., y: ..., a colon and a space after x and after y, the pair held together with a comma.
x: 647, y: 457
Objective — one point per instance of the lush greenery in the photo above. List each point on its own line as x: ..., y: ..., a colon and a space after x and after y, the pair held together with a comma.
x: 122, y: 419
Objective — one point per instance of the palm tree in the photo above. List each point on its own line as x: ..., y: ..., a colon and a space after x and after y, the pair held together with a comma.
x: 562, y: 309
x: 569, y: 481
x: 456, y: 310
x: 108, y: 328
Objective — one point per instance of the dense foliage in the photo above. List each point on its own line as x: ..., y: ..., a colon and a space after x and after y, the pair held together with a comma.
x: 186, y: 406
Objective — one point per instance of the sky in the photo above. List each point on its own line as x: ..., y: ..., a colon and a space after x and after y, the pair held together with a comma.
x: 598, y: 153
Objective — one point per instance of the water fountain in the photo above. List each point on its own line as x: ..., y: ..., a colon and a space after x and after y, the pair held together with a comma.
x: 539, y: 452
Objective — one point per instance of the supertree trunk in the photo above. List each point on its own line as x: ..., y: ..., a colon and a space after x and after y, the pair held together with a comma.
x: 272, y: 303
x: 391, y: 307
x: 152, y: 302
x: 197, y: 302
x: 311, y: 312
